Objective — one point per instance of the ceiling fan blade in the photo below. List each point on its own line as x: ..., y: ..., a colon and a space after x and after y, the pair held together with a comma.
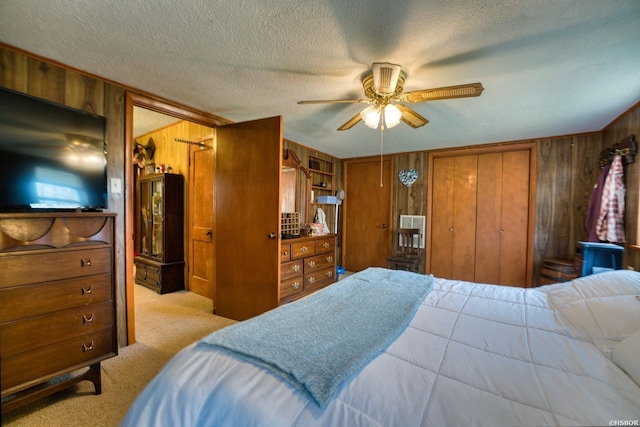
x: 336, y: 101
x: 410, y: 117
x: 449, y: 92
x: 351, y: 123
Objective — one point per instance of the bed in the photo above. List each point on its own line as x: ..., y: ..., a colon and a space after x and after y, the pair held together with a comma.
x: 465, y: 354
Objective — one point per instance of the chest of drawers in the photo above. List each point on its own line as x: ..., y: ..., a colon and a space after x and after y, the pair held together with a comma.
x: 308, y: 264
x: 57, y: 305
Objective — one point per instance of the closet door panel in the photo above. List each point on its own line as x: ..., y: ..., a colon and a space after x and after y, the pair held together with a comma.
x: 515, y: 218
x: 442, y: 217
x: 489, y: 216
x: 464, y: 217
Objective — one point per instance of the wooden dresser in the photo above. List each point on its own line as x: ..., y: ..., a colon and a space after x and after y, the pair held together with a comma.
x: 308, y: 264
x: 57, y: 302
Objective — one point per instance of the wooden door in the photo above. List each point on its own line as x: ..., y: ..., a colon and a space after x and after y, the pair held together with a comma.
x: 489, y: 218
x: 515, y: 266
x: 503, y: 217
x: 248, y: 162
x: 440, y: 251
x: 367, y: 213
x: 452, y: 229
x: 200, y: 240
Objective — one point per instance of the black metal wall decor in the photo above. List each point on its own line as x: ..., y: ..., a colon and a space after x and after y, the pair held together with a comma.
x: 626, y: 148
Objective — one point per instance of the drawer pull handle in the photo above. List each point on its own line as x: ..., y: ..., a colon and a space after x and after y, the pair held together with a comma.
x: 285, y: 253
x: 312, y: 279
x: 312, y: 263
x: 329, y: 258
x: 325, y: 245
x: 85, y: 262
x: 295, y: 267
x: 304, y: 249
x: 295, y: 285
x: 86, y: 319
x: 329, y: 273
x: 86, y: 347
x: 87, y: 291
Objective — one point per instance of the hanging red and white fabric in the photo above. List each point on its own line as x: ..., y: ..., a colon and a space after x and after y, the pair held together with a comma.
x: 610, y: 224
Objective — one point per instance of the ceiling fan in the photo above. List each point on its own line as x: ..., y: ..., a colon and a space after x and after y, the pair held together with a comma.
x: 383, y: 89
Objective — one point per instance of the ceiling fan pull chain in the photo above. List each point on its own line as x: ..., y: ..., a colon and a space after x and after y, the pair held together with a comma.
x: 381, y: 146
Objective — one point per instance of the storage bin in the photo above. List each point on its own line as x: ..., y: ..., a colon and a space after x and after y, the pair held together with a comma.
x: 330, y: 200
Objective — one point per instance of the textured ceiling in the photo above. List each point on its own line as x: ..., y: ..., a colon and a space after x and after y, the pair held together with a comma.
x: 548, y: 67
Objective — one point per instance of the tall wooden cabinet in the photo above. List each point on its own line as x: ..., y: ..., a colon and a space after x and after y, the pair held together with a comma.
x: 160, y: 241
x: 481, y: 215
x: 57, y: 302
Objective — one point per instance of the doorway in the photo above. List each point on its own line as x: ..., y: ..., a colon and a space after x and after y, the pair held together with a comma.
x: 173, y: 112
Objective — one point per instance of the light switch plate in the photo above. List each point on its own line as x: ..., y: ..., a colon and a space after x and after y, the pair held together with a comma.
x: 116, y: 186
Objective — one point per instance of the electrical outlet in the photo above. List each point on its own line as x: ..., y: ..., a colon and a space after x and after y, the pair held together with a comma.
x: 116, y: 186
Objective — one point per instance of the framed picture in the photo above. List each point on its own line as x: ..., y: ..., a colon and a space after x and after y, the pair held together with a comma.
x: 149, y: 168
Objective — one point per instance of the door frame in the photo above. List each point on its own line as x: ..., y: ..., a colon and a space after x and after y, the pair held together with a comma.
x: 134, y: 99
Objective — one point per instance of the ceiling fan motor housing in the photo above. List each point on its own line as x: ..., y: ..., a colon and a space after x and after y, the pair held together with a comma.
x: 385, y: 77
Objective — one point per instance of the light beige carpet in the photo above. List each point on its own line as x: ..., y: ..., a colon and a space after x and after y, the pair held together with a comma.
x: 164, y: 325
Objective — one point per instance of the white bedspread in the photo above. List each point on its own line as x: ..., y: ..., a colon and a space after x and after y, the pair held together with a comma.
x: 473, y: 355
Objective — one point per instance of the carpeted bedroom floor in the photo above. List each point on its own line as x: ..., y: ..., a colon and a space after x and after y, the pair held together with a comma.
x: 164, y: 325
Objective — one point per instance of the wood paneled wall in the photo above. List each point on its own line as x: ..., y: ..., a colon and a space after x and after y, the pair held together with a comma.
x: 173, y: 153
x: 626, y: 125
x: 568, y: 168
x: 53, y: 83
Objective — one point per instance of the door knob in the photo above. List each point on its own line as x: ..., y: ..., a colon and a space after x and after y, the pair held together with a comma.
x: 383, y: 226
x: 272, y: 235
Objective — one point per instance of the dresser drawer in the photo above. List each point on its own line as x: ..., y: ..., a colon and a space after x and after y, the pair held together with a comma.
x: 291, y: 269
x: 285, y: 253
x: 291, y: 287
x: 34, y: 268
x: 55, y: 359
x: 34, y: 332
x: 303, y: 249
x: 319, y: 279
x: 318, y: 263
x: 325, y: 245
x: 32, y: 300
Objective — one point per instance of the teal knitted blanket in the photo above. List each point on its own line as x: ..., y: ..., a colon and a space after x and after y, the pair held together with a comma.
x: 321, y: 341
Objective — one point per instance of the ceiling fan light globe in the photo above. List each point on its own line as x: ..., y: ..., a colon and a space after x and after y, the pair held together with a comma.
x: 371, y: 116
x: 392, y: 116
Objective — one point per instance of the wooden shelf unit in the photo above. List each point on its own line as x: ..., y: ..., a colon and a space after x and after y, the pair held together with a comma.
x: 321, y: 173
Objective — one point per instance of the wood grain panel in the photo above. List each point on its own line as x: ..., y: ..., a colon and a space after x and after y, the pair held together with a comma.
x: 464, y: 217
x: 514, y: 221
x: 440, y: 225
x: 46, y: 81
x: 84, y: 93
x: 13, y: 71
x: 489, y: 218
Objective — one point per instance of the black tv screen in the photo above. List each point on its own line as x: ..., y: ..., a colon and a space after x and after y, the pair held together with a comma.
x: 52, y: 157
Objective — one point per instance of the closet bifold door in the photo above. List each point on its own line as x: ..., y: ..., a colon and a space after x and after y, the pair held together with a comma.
x: 480, y: 214
x: 502, y: 218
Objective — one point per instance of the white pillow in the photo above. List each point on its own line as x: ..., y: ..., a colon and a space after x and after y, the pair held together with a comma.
x: 626, y: 354
x: 618, y: 316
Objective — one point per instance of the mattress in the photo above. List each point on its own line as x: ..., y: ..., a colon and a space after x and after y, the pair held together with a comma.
x: 473, y: 354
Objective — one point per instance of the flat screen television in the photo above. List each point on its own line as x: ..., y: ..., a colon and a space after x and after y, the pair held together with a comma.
x: 52, y: 157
